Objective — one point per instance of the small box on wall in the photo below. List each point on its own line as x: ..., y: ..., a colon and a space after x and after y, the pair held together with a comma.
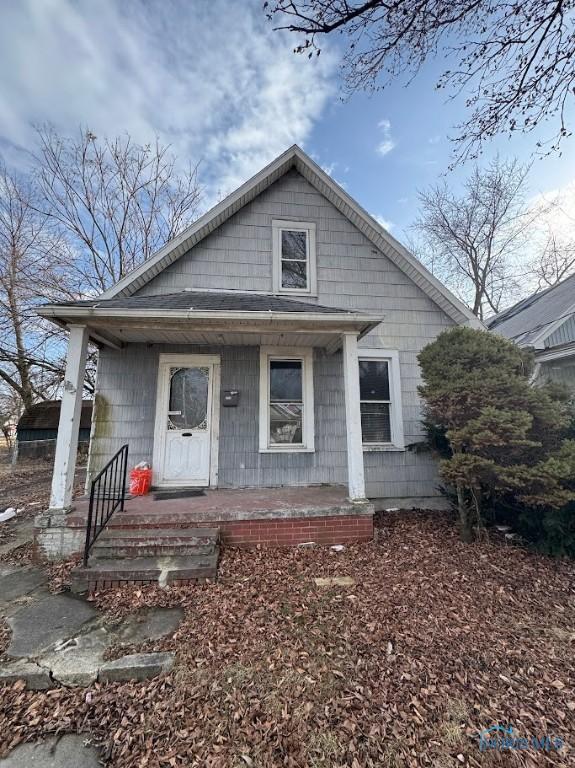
x: 230, y: 398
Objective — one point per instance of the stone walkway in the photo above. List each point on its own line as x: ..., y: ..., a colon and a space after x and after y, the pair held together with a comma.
x: 70, y: 751
x: 61, y: 639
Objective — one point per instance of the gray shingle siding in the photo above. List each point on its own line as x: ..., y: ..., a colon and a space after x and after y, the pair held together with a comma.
x: 565, y: 334
x: 559, y: 371
x: 352, y: 274
x: 125, y: 412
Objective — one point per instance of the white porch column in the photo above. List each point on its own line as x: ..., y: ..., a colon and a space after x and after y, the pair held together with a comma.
x: 355, y: 472
x: 70, y: 412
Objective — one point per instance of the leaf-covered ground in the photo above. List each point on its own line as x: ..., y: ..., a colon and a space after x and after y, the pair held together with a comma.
x: 434, y: 642
x: 26, y: 487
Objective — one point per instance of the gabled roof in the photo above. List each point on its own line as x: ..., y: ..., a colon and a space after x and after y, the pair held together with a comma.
x: 532, y: 320
x: 294, y: 157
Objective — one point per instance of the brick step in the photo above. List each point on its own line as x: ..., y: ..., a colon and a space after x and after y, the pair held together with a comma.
x: 148, y: 542
x: 161, y: 570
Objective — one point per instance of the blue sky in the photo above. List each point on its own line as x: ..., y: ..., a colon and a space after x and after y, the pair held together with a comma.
x: 216, y: 82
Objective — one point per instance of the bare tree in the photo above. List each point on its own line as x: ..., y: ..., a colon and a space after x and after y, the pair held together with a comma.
x: 10, y: 409
x: 90, y: 212
x: 556, y: 261
x: 117, y: 201
x: 33, y: 270
x: 554, y: 241
x: 473, y: 241
x: 513, y: 61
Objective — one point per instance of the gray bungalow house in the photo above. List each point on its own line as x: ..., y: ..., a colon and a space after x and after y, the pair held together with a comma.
x: 545, y: 323
x: 268, y: 356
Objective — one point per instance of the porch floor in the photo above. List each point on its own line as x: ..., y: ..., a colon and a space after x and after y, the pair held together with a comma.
x: 235, y: 504
x: 267, y: 516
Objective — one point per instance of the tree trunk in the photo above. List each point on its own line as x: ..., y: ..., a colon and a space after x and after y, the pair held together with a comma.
x: 465, y: 524
x: 21, y: 362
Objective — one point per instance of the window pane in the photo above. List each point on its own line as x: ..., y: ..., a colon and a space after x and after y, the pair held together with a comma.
x: 373, y: 380
x: 294, y: 245
x: 286, y: 423
x: 294, y: 274
x: 375, y: 423
x: 188, y: 405
x: 285, y: 381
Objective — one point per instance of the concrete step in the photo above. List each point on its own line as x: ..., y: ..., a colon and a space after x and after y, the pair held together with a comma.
x: 183, y: 519
x: 163, y: 569
x: 149, y: 542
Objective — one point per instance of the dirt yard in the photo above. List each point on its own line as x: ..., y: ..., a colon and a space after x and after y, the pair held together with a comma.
x: 433, y: 642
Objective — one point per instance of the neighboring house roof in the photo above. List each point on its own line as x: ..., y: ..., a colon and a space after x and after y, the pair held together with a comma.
x: 209, y: 301
x: 531, y: 321
x: 46, y: 415
x: 294, y: 157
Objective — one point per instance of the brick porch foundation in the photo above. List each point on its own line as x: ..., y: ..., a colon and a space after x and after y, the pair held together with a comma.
x: 331, y: 529
x: 273, y: 517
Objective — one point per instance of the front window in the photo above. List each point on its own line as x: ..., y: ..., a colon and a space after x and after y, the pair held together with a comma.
x: 375, y: 401
x: 286, y: 400
x: 294, y: 257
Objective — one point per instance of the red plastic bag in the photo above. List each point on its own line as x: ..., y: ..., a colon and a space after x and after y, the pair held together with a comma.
x: 140, y: 481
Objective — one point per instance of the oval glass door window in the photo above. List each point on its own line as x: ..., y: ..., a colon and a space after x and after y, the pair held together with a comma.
x: 188, y: 407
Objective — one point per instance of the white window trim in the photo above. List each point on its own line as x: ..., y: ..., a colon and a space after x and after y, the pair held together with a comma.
x: 299, y: 226
x: 308, y: 431
x: 391, y: 356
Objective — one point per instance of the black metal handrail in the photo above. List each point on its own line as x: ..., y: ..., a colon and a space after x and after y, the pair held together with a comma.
x: 107, y: 493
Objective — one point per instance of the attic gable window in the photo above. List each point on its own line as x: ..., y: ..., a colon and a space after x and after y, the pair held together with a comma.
x: 294, y: 257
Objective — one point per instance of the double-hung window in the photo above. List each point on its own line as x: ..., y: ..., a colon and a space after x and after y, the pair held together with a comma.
x: 380, y: 399
x: 294, y: 257
x: 286, y: 400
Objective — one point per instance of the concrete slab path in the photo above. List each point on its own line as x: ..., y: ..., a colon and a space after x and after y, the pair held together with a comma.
x: 61, y: 639
x: 68, y: 751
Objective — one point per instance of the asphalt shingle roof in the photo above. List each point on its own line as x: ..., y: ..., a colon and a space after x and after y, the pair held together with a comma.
x: 527, y: 319
x: 207, y: 301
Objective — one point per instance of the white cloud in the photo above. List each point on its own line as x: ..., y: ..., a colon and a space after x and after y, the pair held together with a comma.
x: 385, y: 223
x: 212, y: 79
x: 558, y: 212
x: 387, y: 143
x: 328, y: 168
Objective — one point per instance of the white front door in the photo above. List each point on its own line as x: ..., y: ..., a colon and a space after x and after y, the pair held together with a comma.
x: 183, y: 443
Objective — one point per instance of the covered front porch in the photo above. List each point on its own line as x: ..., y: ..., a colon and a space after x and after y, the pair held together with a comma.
x: 255, y: 450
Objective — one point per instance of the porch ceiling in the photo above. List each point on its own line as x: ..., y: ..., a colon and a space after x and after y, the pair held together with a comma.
x: 238, y: 333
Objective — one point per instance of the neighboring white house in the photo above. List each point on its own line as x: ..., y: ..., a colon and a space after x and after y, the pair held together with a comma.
x: 273, y: 343
x: 544, y: 322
